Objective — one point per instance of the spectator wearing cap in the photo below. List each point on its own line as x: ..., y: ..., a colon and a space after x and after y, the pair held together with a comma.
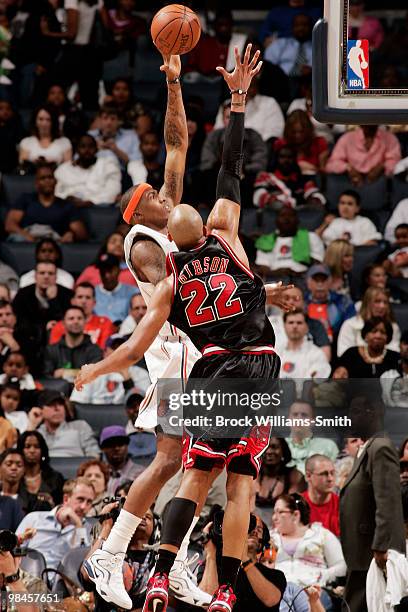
x: 64, y: 438
x: 108, y: 388
x: 112, y: 297
x: 329, y: 307
x: 115, y: 444
x: 320, y: 495
x: 99, y: 329
x: 290, y: 250
x: 137, y: 310
x: 65, y: 358
x: 301, y: 358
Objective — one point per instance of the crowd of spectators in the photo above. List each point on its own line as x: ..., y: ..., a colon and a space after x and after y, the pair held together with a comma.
x: 319, y: 211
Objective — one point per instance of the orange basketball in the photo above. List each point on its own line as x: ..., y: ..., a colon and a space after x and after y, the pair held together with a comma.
x: 175, y: 29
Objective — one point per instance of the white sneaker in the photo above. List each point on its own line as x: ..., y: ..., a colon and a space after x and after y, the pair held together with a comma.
x: 105, y: 570
x: 183, y: 584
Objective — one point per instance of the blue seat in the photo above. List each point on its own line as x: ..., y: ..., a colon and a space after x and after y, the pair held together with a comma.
x: 379, y: 218
x: 19, y: 255
x: 100, y: 221
x: 33, y: 562
x: 363, y: 255
x: 79, y: 255
x: 336, y: 184
x: 310, y: 218
x: 401, y: 315
x: 15, y: 185
x: 69, y: 566
x: 249, y: 221
x: 100, y: 416
x: 399, y: 191
x: 56, y: 384
x: 67, y: 466
x: 373, y: 195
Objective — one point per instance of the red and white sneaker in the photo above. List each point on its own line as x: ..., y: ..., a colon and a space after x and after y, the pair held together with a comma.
x: 223, y: 600
x: 157, y: 594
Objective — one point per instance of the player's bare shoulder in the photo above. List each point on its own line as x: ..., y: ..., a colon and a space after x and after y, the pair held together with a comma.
x: 148, y: 261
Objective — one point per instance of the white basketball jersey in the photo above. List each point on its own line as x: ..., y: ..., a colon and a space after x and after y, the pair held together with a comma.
x: 146, y: 289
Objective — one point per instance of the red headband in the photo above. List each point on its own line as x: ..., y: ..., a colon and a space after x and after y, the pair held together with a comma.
x: 134, y: 201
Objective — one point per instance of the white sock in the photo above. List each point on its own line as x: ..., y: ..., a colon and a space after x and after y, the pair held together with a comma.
x: 182, y: 553
x: 122, y: 532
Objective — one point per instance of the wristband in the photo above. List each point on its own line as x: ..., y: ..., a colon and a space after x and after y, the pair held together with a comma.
x: 173, y: 81
x: 240, y: 92
x: 12, y: 578
x: 247, y: 565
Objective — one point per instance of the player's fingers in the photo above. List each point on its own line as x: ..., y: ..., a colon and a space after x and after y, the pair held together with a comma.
x: 222, y: 70
x: 256, y: 70
x: 247, y: 54
x: 237, y: 56
x: 254, y: 59
x: 163, y: 68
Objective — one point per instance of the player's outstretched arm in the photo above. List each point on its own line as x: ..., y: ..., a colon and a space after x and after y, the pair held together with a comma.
x: 133, y: 349
x: 175, y: 131
x: 224, y: 217
x: 276, y: 296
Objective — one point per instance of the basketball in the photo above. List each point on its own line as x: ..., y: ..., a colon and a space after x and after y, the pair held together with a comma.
x: 175, y: 29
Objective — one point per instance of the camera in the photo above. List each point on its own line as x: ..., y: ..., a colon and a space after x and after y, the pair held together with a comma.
x: 113, y: 514
x: 9, y: 543
x: 215, y: 533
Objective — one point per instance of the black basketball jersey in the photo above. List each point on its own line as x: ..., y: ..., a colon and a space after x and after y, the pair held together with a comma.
x: 217, y: 299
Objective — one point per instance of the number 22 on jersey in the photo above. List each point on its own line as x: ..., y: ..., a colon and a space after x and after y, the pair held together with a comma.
x: 224, y: 304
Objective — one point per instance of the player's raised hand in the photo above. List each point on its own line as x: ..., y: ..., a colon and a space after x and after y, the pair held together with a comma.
x: 244, y: 72
x: 276, y: 296
x: 171, y: 66
x: 87, y: 374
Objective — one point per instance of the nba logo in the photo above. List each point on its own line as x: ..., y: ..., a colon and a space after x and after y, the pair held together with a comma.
x: 357, y: 64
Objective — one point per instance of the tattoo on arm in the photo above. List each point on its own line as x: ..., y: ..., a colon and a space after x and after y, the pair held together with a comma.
x: 175, y: 125
x: 173, y: 185
x: 148, y: 261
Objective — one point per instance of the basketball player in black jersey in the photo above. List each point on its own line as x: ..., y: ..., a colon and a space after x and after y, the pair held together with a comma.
x: 212, y: 295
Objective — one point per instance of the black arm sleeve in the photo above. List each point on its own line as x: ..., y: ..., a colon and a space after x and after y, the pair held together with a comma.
x: 229, y: 175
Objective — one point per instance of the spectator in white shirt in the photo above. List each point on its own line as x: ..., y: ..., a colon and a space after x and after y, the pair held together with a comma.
x: 10, y: 396
x: 48, y: 250
x: 301, y: 358
x: 88, y: 180
x: 137, y: 310
x: 350, y: 225
x: 113, y: 141
x: 397, y: 263
x: 399, y: 215
x: 262, y: 113
x: 45, y: 142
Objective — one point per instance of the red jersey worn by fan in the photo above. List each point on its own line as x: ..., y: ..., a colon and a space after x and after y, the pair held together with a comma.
x: 98, y: 328
x: 327, y: 514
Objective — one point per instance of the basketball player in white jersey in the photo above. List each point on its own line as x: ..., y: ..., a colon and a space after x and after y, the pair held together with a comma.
x: 172, y: 355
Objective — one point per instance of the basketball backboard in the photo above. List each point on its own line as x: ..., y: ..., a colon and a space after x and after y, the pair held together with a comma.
x: 346, y: 84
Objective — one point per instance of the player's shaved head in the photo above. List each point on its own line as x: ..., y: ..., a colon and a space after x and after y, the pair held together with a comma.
x: 185, y: 226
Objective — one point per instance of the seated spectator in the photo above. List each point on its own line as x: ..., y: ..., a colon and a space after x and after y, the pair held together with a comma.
x: 316, y: 331
x: 137, y: 310
x: 8, y: 342
x: 286, y: 185
x: 307, y: 552
x: 15, y: 366
x: 311, y: 150
x: 120, y: 96
x: 399, y: 216
x: 47, y: 249
x: 64, y: 438
x: 112, y: 297
x: 262, y: 114
x: 143, y: 123
x: 4, y: 292
x: 257, y: 587
x: 45, y: 142
x: 125, y: 25
x: 97, y: 472
x: 397, y: 262
x: 139, y: 558
x: 344, y: 462
x: 39, y: 476
x: 293, y: 53
x: 11, y: 513
x: 302, y: 443
x: 11, y: 132
x: 301, y: 358
x: 255, y: 158
x: 374, y: 275
x: 323, y: 502
x: 372, y: 359
x: 9, y: 278
x: 393, y: 382
x: 279, y: 20
x: 217, y: 50
x: 42, y: 214
x: 62, y: 528
x: 108, y: 388
x: 10, y: 398
x: 36, y: 307
x: 143, y: 442
x: 99, y: 329
x: 113, y: 245
x: 132, y: 405
x: 58, y: 103
x: 149, y: 169
x: 339, y: 258
x: 329, y: 307
x: 290, y: 250
x: 272, y: 81
x: 113, y: 141
x: 276, y: 477
x: 362, y: 26
x: 114, y: 442
x: 376, y: 303
x: 365, y: 154
x: 13, y: 485
x: 138, y: 373
x: 349, y: 226
x: 65, y: 358
x: 88, y: 180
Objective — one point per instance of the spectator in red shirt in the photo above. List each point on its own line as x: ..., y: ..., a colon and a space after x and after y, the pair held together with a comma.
x: 311, y: 150
x: 113, y: 245
x: 323, y: 502
x: 98, y: 328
